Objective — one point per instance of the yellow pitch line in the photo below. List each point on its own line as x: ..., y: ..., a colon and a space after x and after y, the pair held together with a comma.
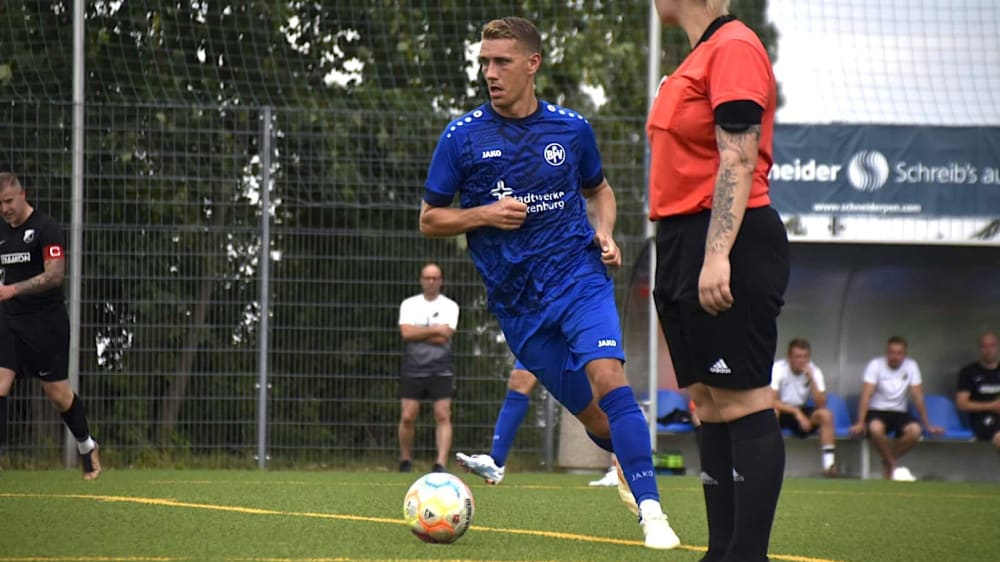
x: 259, y: 511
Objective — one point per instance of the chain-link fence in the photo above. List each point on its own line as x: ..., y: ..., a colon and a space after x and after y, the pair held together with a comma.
x: 251, y: 181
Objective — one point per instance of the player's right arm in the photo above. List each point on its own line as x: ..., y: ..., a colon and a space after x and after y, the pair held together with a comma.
x: 963, y: 398
x: 965, y: 403
x: 449, y: 170
x: 505, y: 214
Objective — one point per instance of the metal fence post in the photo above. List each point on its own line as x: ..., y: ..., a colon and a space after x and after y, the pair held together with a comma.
x: 264, y: 301
x: 76, y: 222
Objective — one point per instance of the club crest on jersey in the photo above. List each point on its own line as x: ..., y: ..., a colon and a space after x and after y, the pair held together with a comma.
x: 29, y: 235
x: 555, y: 154
x: 501, y: 190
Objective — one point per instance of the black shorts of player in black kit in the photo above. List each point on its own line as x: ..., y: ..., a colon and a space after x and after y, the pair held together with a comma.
x: 36, y: 344
x: 985, y: 425
x: 789, y: 421
x: 435, y: 387
x: 734, y: 349
x: 894, y: 421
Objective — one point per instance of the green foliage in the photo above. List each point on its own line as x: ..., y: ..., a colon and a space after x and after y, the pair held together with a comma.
x: 358, y: 92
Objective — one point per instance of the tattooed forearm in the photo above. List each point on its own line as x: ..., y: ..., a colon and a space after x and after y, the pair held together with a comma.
x: 50, y: 278
x: 737, y: 160
x: 739, y: 144
x: 723, y: 223
x: 38, y: 284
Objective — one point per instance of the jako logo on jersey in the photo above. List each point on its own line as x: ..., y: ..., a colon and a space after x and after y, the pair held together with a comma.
x: 19, y: 257
x: 497, y: 153
x: 501, y: 190
x: 607, y: 343
x: 29, y: 235
x: 555, y: 154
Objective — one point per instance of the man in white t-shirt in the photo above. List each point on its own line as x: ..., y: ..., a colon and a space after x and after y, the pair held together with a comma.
x: 427, y: 323
x: 882, y: 409
x: 794, y: 381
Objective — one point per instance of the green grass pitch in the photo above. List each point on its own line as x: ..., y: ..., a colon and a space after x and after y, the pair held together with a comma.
x: 167, y: 516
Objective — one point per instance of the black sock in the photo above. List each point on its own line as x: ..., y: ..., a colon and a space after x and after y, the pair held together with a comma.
x: 3, y: 422
x: 75, y: 419
x: 716, y: 452
x: 758, y: 470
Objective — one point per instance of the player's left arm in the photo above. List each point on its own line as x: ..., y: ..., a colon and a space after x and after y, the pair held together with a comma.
x: 602, y: 212
x: 51, y: 278
x: 737, y: 161
x: 741, y: 86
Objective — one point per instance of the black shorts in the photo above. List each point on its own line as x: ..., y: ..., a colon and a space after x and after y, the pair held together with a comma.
x: 435, y: 387
x: 985, y: 426
x: 788, y: 421
x: 36, y: 344
x: 734, y: 349
x: 894, y: 421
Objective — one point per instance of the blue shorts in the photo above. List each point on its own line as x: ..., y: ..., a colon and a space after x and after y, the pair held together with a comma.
x: 556, y: 343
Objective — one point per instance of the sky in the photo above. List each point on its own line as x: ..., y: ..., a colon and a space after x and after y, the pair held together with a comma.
x: 916, y: 62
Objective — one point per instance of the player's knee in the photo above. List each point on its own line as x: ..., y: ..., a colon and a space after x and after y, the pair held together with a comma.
x: 823, y: 416
x: 996, y: 440
x: 606, y: 375
x: 876, y: 428
x: 521, y: 381
x: 912, y: 430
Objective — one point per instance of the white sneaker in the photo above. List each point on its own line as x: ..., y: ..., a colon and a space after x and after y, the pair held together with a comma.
x: 656, y: 528
x: 609, y: 479
x: 482, y: 466
x: 903, y: 474
x: 624, y: 492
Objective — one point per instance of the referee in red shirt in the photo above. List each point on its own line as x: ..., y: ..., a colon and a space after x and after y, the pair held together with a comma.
x: 722, y: 264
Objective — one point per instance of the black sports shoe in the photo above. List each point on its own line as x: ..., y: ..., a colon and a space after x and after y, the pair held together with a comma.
x: 405, y: 466
x: 438, y: 467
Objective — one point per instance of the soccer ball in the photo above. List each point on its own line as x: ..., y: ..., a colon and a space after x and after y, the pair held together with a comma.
x: 438, y: 508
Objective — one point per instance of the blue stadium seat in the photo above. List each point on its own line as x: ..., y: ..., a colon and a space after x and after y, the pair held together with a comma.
x: 942, y: 412
x: 666, y: 402
x: 841, y: 416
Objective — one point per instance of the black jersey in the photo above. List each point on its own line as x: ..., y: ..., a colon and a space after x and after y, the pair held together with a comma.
x: 23, y: 251
x: 982, y: 384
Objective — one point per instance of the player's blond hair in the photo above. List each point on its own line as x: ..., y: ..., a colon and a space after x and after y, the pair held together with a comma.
x: 519, y: 29
x: 8, y: 179
x: 718, y: 6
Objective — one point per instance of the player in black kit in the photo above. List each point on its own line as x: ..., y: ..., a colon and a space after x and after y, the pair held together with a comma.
x: 34, y: 326
x: 979, y: 390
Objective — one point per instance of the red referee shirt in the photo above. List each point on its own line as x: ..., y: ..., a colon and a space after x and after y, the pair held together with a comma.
x: 731, y: 65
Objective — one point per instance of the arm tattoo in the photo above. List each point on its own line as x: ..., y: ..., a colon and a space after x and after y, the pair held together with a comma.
x: 724, y: 224
x: 50, y: 278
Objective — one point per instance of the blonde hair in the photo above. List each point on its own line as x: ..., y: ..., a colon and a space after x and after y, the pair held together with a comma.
x: 519, y: 29
x: 718, y: 6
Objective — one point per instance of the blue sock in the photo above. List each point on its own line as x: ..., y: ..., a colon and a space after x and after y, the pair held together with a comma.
x: 630, y: 435
x: 602, y: 442
x: 515, y: 407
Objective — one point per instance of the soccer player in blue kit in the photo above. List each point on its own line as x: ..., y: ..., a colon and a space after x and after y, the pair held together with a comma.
x: 539, y: 215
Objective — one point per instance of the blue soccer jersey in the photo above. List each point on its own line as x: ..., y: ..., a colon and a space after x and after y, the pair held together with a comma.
x: 543, y: 160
